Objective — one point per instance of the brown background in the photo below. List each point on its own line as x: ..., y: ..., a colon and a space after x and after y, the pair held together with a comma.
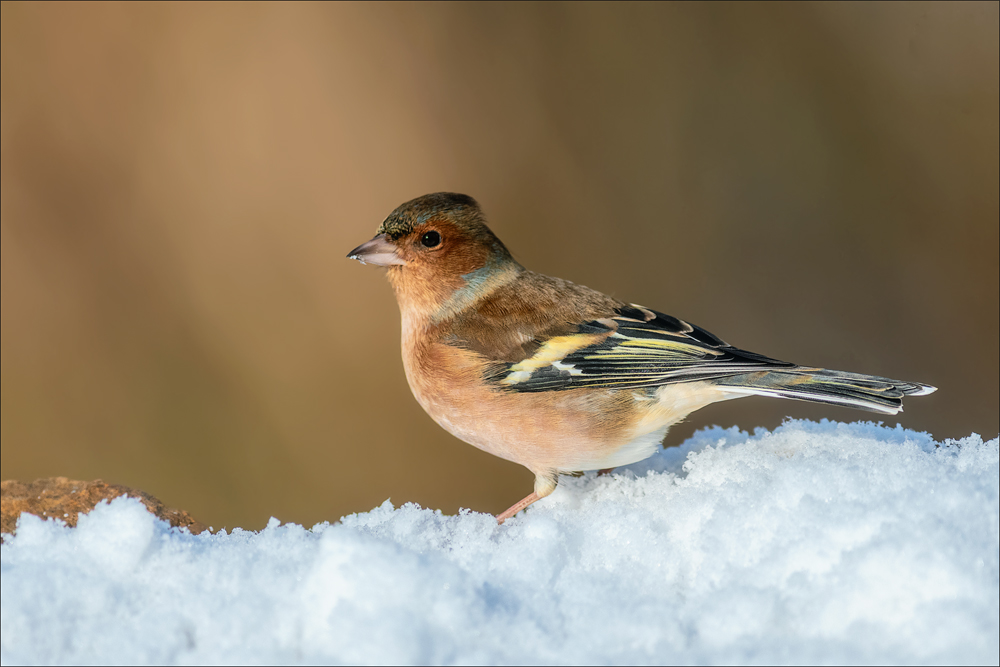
x: 180, y: 184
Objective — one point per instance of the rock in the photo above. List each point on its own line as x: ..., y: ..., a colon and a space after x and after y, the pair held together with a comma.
x: 66, y: 499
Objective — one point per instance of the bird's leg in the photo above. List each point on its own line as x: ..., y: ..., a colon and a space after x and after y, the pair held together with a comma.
x: 604, y: 471
x: 517, y: 507
x: 544, y: 485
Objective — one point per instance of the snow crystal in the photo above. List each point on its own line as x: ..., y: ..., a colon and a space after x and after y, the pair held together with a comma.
x: 817, y: 543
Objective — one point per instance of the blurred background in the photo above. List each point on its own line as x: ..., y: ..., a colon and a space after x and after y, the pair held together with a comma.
x: 181, y: 183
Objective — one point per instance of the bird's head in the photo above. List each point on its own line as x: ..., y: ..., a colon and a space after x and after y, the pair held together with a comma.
x: 439, y: 252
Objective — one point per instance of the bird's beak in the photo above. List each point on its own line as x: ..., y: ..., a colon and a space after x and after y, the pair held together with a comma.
x: 380, y: 251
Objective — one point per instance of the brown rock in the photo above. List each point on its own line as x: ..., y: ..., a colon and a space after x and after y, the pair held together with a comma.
x: 66, y: 499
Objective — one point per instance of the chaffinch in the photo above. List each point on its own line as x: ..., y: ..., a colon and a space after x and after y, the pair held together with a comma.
x: 553, y: 375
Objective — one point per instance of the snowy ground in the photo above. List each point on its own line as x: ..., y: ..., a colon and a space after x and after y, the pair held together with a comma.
x: 818, y: 543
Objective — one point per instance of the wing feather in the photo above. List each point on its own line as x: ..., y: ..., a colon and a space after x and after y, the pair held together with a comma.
x: 636, y: 348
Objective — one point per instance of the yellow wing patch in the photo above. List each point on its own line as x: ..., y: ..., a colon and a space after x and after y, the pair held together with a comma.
x: 551, y: 352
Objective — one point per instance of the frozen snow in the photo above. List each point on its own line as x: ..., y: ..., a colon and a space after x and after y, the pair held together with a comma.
x: 817, y: 543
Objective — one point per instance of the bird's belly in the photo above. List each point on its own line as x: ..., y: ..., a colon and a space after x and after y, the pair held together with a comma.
x: 561, y: 431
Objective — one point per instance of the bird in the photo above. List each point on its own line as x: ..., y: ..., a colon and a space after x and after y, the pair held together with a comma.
x: 555, y: 376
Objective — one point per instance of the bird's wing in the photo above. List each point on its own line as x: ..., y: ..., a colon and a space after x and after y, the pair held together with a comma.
x: 636, y: 347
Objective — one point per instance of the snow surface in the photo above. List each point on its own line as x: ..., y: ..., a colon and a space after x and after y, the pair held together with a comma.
x: 817, y: 543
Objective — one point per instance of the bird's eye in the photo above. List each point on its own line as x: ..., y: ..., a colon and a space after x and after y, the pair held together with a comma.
x: 431, y: 239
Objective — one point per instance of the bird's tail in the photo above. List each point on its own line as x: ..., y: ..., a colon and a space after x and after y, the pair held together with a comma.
x: 866, y: 392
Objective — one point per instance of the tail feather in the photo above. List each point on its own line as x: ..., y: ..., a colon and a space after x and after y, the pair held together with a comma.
x: 866, y: 392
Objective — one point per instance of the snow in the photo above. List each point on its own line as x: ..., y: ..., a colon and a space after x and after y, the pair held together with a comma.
x: 817, y: 543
